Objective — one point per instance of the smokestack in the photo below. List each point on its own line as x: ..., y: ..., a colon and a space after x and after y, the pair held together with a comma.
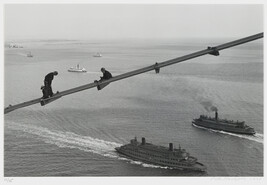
x: 216, y: 115
x: 170, y: 146
x: 143, y: 141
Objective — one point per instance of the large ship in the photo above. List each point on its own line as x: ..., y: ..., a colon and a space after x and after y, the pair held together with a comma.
x: 215, y: 123
x: 162, y: 156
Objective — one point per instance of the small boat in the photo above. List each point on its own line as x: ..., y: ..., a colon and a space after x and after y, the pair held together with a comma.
x: 77, y: 69
x: 238, y: 127
x: 97, y: 55
x: 13, y: 45
x: 162, y: 156
x: 29, y: 54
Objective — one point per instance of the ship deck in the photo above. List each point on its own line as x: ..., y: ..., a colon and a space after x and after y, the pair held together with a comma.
x: 158, y: 149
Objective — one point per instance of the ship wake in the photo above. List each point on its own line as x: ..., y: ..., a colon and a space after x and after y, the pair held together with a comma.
x: 68, y: 139
x: 257, y: 137
x: 22, y: 54
x: 75, y: 141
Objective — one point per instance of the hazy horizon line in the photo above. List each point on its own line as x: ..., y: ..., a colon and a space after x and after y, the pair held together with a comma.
x: 125, y: 38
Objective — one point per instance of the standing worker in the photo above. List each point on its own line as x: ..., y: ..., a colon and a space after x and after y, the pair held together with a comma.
x: 47, y: 89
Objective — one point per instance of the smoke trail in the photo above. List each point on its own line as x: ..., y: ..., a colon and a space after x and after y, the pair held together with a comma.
x: 208, y: 106
x: 213, y: 108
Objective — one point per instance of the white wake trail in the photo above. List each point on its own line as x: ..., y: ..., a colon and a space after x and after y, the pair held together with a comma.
x: 69, y: 140
x: 257, y: 137
x: 75, y: 141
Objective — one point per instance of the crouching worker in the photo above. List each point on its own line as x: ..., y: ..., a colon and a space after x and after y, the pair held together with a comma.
x: 106, y: 75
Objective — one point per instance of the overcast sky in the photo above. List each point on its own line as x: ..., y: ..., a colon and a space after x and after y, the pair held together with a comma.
x: 92, y: 21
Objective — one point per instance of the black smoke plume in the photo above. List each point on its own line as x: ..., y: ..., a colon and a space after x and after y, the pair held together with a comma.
x: 208, y: 106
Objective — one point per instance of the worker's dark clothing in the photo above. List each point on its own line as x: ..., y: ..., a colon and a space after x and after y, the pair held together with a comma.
x: 48, y: 78
x: 47, y: 82
x: 45, y: 92
x: 106, y: 75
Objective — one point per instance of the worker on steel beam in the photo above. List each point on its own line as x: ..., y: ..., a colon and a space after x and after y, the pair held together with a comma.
x: 106, y: 74
x: 47, y: 88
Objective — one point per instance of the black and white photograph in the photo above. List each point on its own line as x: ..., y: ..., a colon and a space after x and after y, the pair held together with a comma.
x: 133, y: 90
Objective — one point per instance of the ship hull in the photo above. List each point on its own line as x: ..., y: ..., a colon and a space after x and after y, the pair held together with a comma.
x: 76, y: 71
x: 197, y: 167
x: 222, y: 127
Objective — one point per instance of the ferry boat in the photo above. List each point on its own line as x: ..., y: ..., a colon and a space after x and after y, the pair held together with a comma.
x: 162, y: 156
x: 77, y: 69
x: 215, y: 123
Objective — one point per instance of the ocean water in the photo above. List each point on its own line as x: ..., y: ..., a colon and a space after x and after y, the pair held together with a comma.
x: 76, y: 135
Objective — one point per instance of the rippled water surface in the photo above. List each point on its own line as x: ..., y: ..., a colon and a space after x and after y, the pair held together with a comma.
x: 76, y: 135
